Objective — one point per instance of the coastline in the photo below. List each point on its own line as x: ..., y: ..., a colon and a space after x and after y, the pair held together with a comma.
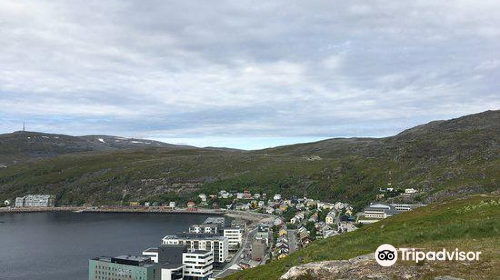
x: 245, y: 215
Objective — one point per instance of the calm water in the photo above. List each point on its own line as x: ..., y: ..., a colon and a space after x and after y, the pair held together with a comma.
x: 57, y: 246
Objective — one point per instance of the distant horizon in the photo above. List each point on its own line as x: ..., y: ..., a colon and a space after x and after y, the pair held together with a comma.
x: 258, y: 146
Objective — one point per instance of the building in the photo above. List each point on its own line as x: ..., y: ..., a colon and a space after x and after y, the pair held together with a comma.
x: 123, y: 267
x: 377, y: 211
x: 277, y: 197
x: 406, y: 207
x: 169, y: 257
x: 171, y: 204
x: 410, y: 191
x: 234, y: 237
x: 38, y: 200
x: 217, y: 244
x: 191, y: 204
x: 204, y: 228
x: 330, y: 218
x: 198, y: 264
x: 203, y: 197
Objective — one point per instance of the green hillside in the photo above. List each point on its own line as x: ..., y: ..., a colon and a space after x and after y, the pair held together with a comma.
x: 469, y: 224
x: 443, y: 159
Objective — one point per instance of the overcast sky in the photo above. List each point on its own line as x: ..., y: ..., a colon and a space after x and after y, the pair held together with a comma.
x: 245, y: 74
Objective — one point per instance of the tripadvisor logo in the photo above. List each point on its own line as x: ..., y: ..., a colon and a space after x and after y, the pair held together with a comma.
x: 387, y: 255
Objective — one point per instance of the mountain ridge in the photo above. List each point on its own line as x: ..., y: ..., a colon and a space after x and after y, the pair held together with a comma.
x: 442, y: 159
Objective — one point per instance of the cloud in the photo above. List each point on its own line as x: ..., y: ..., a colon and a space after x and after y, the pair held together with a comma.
x: 202, y: 70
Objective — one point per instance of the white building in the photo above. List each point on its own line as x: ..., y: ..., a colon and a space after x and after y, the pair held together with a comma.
x: 234, y: 237
x: 406, y: 207
x: 215, y: 243
x: 171, y: 204
x: 410, y: 191
x: 330, y: 218
x: 277, y: 197
x: 43, y: 200
x: 204, y: 228
x: 198, y: 264
x: 203, y: 197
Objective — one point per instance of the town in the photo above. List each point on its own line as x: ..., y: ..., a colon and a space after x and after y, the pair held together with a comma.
x: 256, y: 230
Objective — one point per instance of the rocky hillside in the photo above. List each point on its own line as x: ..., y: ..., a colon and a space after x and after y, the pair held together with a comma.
x: 22, y: 146
x: 469, y: 224
x: 442, y: 159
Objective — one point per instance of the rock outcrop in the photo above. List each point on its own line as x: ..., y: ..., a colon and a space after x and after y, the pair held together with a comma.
x: 361, y: 267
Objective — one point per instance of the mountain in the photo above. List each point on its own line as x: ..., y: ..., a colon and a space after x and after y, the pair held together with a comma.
x: 22, y: 146
x: 467, y: 224
x: 442, y: 159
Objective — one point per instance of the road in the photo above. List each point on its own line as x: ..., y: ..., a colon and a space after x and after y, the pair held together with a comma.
x: 245, y: 248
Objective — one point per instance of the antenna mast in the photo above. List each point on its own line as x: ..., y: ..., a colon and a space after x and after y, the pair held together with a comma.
x: 24, y: 126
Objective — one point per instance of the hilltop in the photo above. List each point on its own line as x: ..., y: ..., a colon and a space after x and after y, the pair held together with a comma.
x: 22, y: 146
x: 442, y: 159
x: 469, y: 224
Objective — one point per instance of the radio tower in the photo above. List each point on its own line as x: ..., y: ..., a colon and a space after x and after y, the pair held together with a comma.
x: 24, y: 127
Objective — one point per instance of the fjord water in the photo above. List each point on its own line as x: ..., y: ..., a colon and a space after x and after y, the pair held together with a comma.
x: 57, y: 246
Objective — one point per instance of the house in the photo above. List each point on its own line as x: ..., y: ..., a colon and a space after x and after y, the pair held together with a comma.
x: 269, y: 210
x: 203, y: 197
x: 297, y: 218
x: 191, y: 205
x: 256, y: 196
x: 171, y: 204
x: 240, y: 195
x: 261, y: 204
x: 410, y: 191
x: 325, y: 205
x: 282, y: 232
x: 277, y: 197
x: 223, y: 194
x: 247, y: 194
x: 313, y: 218
x: 278, y: 221
x: 283, y: 207
x: 330, y: 217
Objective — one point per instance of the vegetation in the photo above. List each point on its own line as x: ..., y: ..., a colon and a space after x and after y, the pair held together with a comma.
x: 470, y: 224
x: 443, y: 159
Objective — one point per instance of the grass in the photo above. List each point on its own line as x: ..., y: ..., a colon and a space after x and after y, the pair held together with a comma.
x: 471, y: 224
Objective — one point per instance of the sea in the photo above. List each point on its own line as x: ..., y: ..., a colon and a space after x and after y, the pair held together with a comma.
x: 58, y: 245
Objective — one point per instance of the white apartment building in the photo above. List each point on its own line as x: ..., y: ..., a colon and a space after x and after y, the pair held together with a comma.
x: 43, y: 200
x: 198, y: 264
x: 217, y: 244
x: 204, y: 228
x: 406, y: 207
x: 234, y: 237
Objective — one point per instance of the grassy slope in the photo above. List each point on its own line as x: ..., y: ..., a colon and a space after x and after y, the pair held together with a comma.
x: 471, y: 224
x: 446, y: 158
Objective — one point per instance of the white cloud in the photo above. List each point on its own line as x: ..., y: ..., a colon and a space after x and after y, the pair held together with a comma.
x: 226, y: 70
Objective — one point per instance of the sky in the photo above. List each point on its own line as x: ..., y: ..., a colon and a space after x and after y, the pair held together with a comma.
x: 245, y: 74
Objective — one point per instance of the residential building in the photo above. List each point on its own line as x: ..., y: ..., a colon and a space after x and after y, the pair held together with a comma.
x: 191, y: 204
x: 234, y: 237
x: 39, y: 200
x: 198, y: 264
x: 123, y: 267
x: 203, y: 197
x: 205, y: 228
x: 202, y: 241
x: 410, y: 191
x: 330, y: 218
x: 277, y: 197
x: 171, y: 204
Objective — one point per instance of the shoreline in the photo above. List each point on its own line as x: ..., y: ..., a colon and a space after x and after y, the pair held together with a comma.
x: 245, y: 215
